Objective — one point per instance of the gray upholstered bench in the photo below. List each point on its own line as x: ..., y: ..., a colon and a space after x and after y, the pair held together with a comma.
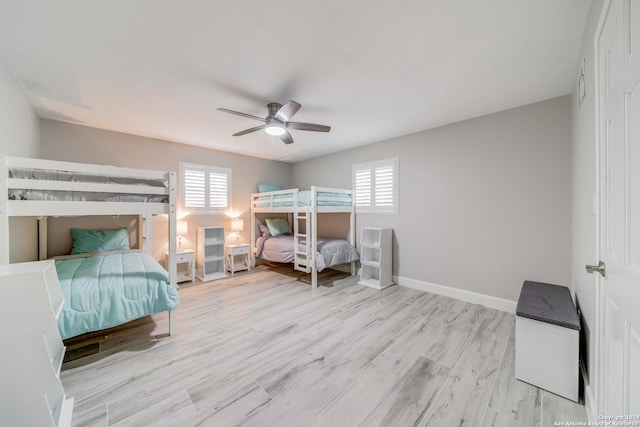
x: 547, y: 339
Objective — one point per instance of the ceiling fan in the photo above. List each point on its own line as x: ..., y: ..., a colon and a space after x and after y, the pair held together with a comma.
x: 277, y: 121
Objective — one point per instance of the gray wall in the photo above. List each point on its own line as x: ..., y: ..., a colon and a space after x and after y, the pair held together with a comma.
x: 584, y: 230
x: 64, y: 141
x: 19, y: 124
x: 484, y: 204
x: 19, y: 136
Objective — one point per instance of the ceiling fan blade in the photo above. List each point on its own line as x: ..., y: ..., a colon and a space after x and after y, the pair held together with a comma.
x: 246, y: 131
x: 287, y: 111
x: 286, y: 138
x: 308, y: 126
x: 238, y: 113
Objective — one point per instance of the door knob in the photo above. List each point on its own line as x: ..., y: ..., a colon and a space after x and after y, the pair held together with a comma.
x: 600, y: 268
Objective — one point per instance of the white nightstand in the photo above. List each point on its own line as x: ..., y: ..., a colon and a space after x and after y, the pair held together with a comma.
x: 184, y: 256
x: 237, y: 257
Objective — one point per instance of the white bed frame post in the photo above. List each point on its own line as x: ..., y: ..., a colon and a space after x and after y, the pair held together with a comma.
x: 171, y: 227
x: 352, y: 232
x: 43, y: 238
x: 4, y: 214
x: 313, y: 217
x: 252, y: 254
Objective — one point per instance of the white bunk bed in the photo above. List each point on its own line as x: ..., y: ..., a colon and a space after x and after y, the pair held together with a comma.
x: 43, y: 188
x: 304, y: 206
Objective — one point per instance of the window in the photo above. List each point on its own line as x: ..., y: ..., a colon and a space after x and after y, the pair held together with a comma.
x: 205, y: 189
x: 376, y: 186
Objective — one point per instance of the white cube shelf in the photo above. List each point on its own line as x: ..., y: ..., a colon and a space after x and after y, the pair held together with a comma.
x: 32, y: 352
x: 210, y: 256
x: 376, y: 257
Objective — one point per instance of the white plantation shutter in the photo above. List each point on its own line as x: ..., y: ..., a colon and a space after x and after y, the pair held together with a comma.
x: 205, y: 188
x: 376, y: 186
x: 384, y: 188
x: 218, y: 190
x: 362, y: 187
x: 194, y: 188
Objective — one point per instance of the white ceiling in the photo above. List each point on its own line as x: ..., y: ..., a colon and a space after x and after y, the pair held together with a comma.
x: 371, y: 69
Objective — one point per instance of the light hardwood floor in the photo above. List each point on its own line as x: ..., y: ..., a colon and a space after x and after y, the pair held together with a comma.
x: 264, y: 349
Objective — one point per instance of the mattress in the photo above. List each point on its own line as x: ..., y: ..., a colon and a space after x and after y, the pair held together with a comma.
x: 108, y: 289
x: 82, y: 196
x: 304, y: 199
x: 330, y: 252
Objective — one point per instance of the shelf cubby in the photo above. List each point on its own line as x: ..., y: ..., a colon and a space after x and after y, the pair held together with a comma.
x: 210, y: 253
x: 375, y: 257
x: 33, y: 351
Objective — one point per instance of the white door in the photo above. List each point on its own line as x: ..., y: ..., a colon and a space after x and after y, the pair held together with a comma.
x: 619, y: 169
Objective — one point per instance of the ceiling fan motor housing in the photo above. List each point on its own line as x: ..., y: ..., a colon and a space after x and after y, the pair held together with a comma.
x: 273, y: 108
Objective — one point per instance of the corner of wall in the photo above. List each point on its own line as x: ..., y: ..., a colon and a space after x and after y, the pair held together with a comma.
x: 19, y: 122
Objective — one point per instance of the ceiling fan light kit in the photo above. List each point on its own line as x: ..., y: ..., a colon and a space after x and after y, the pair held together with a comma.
x: 277, y: 121
x: 275, y: 128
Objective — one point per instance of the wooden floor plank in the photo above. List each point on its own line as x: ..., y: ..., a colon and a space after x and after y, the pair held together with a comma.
x: 295, y: 402
x: 463, y: 398
x: 556, y: 409
x: 512, y: 398
x: 264, y: 348
x: 232, y: 414
x: 172, y: 411
x: 493, y: 334
x: 95, y: 416
x: 356, y: 400
x: 411, y: 395
x: 495, y: 419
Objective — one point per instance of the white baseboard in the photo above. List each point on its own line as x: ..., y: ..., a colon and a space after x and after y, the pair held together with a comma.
x: 460, y: 294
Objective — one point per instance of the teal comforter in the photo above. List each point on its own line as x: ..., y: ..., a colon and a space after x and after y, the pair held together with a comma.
x: 103, y: 291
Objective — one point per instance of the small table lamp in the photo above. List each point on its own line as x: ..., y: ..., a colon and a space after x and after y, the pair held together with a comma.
x: 182, y: 229
x: 237, y: 225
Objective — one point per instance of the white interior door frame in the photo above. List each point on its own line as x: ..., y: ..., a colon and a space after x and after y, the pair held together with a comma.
x: 597, y: 387
x: 617, y: 336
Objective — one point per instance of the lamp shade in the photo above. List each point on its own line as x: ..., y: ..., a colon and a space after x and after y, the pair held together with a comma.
x: 182, y: 228
x: 237, y: 224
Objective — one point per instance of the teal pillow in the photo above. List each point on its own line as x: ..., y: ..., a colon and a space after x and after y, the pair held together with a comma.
x: 278, y: 226
x: 263, y: 188
x: 85, y: 241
